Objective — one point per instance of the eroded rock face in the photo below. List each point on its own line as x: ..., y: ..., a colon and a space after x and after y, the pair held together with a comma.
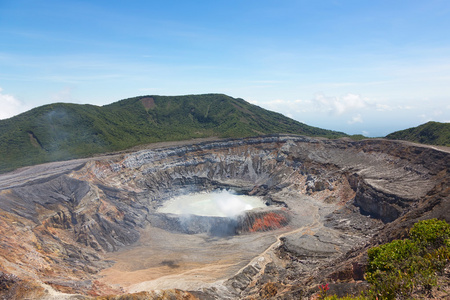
x: 334, y: 196
x: 252, y: 221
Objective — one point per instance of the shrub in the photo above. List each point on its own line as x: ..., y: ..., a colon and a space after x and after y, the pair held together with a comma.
x: 401, y: 267
x: 431, y: 235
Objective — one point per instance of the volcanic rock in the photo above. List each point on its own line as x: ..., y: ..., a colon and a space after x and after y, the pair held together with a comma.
x: 329, y: 201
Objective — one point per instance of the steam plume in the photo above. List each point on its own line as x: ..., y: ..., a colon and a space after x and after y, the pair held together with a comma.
x: 218, y: 204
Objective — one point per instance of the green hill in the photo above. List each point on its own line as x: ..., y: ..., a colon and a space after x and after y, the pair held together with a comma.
x: 63, y: 131
x: 431, y: 133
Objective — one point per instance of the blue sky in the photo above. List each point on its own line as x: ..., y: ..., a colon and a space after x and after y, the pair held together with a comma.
x: 369, y: 67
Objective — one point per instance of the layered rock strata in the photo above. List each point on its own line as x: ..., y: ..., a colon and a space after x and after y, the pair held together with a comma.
x: 335, y: 196
x: 252, y: 221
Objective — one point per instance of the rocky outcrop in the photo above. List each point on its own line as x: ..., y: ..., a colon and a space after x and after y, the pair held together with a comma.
x: 263, y: 220
x: 251, y: 221
x: 193, y: 224
x: 331, y: 197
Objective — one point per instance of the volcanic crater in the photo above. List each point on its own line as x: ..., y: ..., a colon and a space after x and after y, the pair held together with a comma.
x: 94, y: 226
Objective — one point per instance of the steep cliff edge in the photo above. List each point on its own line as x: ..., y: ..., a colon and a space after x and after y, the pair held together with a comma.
x: 61, y: 221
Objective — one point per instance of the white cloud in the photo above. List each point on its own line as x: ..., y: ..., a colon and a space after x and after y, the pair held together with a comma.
x: 10, y: 106
x: 334, y: 105
x: 384, y: 107
x: 356, y: 119
x: 279, y: 105
x: 288, y: 107
x: 342, y: 104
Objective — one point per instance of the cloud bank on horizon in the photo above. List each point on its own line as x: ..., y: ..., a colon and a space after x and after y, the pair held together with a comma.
x: 361, y: 67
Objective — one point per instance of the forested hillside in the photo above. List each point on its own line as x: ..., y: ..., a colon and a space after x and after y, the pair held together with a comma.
x: 64, y: 131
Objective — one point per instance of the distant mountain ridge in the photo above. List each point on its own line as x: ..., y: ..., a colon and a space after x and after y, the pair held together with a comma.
x: 62, y: 131
x: 431, y: 133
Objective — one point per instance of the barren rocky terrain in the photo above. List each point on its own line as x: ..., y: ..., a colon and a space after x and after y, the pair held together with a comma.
x: 90, y: 227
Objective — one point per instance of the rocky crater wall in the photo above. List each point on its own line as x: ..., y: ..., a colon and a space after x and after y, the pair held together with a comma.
x: 251, y: 221
x: 69, y: 217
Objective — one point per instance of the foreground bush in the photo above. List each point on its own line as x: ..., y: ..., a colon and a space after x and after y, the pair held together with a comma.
x: 399, y: 268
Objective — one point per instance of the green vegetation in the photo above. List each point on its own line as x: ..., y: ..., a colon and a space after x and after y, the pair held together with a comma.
x: 358, y: 137
x: 431, y: 133
x: 65, y: 131
x: 401, y: 268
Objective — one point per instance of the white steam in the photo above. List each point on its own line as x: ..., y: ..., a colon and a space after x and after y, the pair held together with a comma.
x: 215, y: 204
